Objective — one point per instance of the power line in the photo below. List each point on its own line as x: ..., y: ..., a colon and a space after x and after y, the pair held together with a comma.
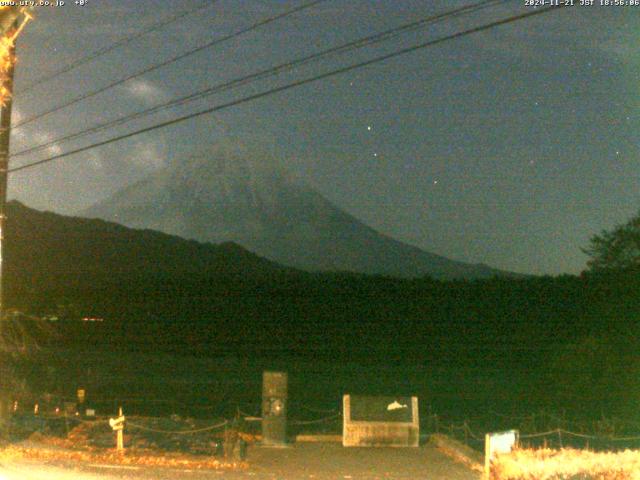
x: 359, y: 43
x: 120, y: 43
x: 170, y: 61
x: 288, y: 86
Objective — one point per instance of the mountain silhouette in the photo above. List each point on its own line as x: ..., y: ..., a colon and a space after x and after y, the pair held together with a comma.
x: 238, y: 193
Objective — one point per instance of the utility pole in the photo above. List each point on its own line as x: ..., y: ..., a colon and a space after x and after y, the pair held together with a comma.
x: 5, y: 137
x: 10, y: 27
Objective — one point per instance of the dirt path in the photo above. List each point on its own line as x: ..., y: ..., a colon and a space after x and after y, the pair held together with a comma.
x: 318, y: 461
x: 324, y: 461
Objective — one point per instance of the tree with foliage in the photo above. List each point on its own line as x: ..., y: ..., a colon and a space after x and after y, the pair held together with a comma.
x: 616, y: 250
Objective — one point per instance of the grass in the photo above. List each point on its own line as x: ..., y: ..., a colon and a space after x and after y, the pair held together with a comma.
x: 566, y: 464
x: 146, y: 458
x: 94, y: 442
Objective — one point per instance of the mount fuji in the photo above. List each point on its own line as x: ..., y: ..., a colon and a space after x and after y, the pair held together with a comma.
x: 241, y: 194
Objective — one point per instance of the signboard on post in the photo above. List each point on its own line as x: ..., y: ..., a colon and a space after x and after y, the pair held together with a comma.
x: 498, y: 442
x: 117, y: 424
x: 274, y: 408
x: 376, y: 421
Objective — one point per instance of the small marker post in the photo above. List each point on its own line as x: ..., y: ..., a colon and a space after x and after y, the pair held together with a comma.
x: 120, y: 443
x: 117, y: 424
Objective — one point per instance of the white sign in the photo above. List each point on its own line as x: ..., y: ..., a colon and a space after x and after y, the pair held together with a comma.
x: 494, y: 443
x: 502, y: 442
x: 117, y: 423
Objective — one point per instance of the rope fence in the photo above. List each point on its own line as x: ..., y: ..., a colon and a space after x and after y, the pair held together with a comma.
x: 320, y: 410
x: 602, y: 434
x: 217, y: 426
x: 560, y: 431
x: 316, y: 421
x: 539, y: 428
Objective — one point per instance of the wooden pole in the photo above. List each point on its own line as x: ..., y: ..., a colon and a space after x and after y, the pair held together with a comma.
x: 487, y: 456
x: 120, y: 435
x: 5, y: 135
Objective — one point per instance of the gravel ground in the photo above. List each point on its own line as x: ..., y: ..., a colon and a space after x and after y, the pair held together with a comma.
x: 318, y: 461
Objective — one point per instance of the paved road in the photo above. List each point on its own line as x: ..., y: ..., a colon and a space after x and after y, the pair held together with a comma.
x: 317, y: 461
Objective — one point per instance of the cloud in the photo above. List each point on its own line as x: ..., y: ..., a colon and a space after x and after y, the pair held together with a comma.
x: 33, y: 139
x: 146, y: 91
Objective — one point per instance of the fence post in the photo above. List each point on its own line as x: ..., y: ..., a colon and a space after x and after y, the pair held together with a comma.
x: 66, y: 424
x: 120, y: 443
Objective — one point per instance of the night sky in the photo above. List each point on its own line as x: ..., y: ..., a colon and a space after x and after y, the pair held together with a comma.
x: 509, y: 147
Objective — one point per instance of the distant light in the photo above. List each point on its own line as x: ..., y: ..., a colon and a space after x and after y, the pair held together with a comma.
x: 369, y: 127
